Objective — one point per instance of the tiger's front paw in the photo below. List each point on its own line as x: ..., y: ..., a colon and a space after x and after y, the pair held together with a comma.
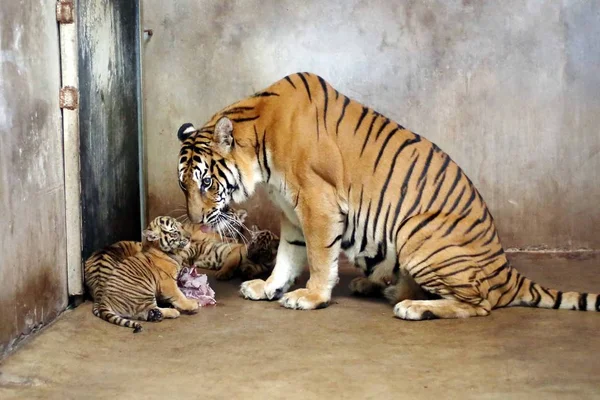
x: 304, y: 299
x: 253, y: 290
x: 258, y: 289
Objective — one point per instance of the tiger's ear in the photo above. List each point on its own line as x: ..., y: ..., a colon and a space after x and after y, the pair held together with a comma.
x: 185, y: 131
x: 150, y: 235
x: 224, y: 135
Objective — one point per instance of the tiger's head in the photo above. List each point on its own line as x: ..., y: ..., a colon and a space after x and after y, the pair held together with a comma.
x: 167, y: 234
x: 216, y: 167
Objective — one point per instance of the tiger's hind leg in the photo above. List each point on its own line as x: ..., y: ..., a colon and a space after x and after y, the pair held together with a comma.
x: 417, y: 310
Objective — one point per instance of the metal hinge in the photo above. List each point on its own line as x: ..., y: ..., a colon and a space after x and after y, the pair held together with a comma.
x: 65, y: 12
x: 68, y: 98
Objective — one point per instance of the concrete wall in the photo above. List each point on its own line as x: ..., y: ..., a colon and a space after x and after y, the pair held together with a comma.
x: 109, y: 132
x: 32, y: 250
x: 509, y: 89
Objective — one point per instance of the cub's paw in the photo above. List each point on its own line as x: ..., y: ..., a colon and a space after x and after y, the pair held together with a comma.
x: 224, y: 275
x: 362, y: 286
x: 253, y: 290
x: 304, y: 299
x: 154, y: 315
x: 170, y: 313
x: 188, y: 306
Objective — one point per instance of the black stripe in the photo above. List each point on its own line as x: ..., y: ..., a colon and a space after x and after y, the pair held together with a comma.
x: 377, y: 214
x: 469, y: 201
x: 454, y: 224
x: 422, y: 224
x: 264, y: 151
x: 287, y: 78
x: 457, y: 200
x: 381, y: 128
x: 306, y: 86
x: 496, y: 272
x: 452, y: 188
x: 324, y: 86
x: 442, y: 169
x: 491, y: 238
x: 478, y: 221
x: 536, y: 296
x: 519, y: 286
x: 236, y: 110
x: 558, y: 300
x: 391, y: 170
x: 582, y: 301
x: 385, y: 143
x: 337, y: 239
x: 371, y: 262
x: 265, y: 94
x: 240, y: 179
x: 368, y: 133
x: 297, y: 243
x: 598, y: 302
x: 425, y: 167
x: 257, y: 149
x: 317, y: 121
x: 363, y: 245
x: 499, y: 285
x: 346, y: 102
x: 352, y: 240
x: 403, y: 191
x: 360, y: 120
x: 436, y: 192
x: 245, y: 119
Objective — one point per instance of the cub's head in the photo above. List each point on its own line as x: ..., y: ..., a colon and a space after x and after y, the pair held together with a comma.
x: 262, y: 248
x: 167, y: 234
x: 215, y: 167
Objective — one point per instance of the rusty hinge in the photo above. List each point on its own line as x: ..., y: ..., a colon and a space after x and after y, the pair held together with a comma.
x: 65, y: 12
x: 68, y: 98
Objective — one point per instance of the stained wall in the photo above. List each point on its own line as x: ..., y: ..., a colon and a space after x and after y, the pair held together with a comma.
x: 511, y: 90
x: 33, y: 273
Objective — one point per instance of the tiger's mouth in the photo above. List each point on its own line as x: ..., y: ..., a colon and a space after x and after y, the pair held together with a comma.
x: 215, y: 220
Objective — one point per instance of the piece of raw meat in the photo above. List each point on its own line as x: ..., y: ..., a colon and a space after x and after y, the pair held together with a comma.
x: 195, y: 286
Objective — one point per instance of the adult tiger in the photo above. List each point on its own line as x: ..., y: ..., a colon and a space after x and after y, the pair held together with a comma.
x: 348, y: 178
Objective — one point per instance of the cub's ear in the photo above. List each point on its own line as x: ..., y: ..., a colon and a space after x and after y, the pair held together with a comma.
x: 150, y: 235
x: 241, y: 214
x: 185, y: 131
x: 224, y: 135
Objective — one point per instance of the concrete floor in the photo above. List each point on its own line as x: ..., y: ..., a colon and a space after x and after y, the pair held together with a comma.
x: 354, y: 349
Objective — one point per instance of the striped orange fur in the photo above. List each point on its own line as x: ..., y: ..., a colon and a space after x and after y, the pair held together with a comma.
x: 350, y: 179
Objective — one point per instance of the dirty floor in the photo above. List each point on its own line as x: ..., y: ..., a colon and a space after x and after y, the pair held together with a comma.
x: 354, y: 349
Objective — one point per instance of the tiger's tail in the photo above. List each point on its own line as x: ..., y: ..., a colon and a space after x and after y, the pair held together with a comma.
x: 113, y: 318
x: 529, y: 294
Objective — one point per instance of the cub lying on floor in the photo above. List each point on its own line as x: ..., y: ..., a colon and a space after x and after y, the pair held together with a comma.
x: 228, y: 258
x: 126, y: 278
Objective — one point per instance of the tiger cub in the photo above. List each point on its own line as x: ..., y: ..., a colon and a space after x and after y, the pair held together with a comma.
x: 251, y: 261
x: 126, y: 279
